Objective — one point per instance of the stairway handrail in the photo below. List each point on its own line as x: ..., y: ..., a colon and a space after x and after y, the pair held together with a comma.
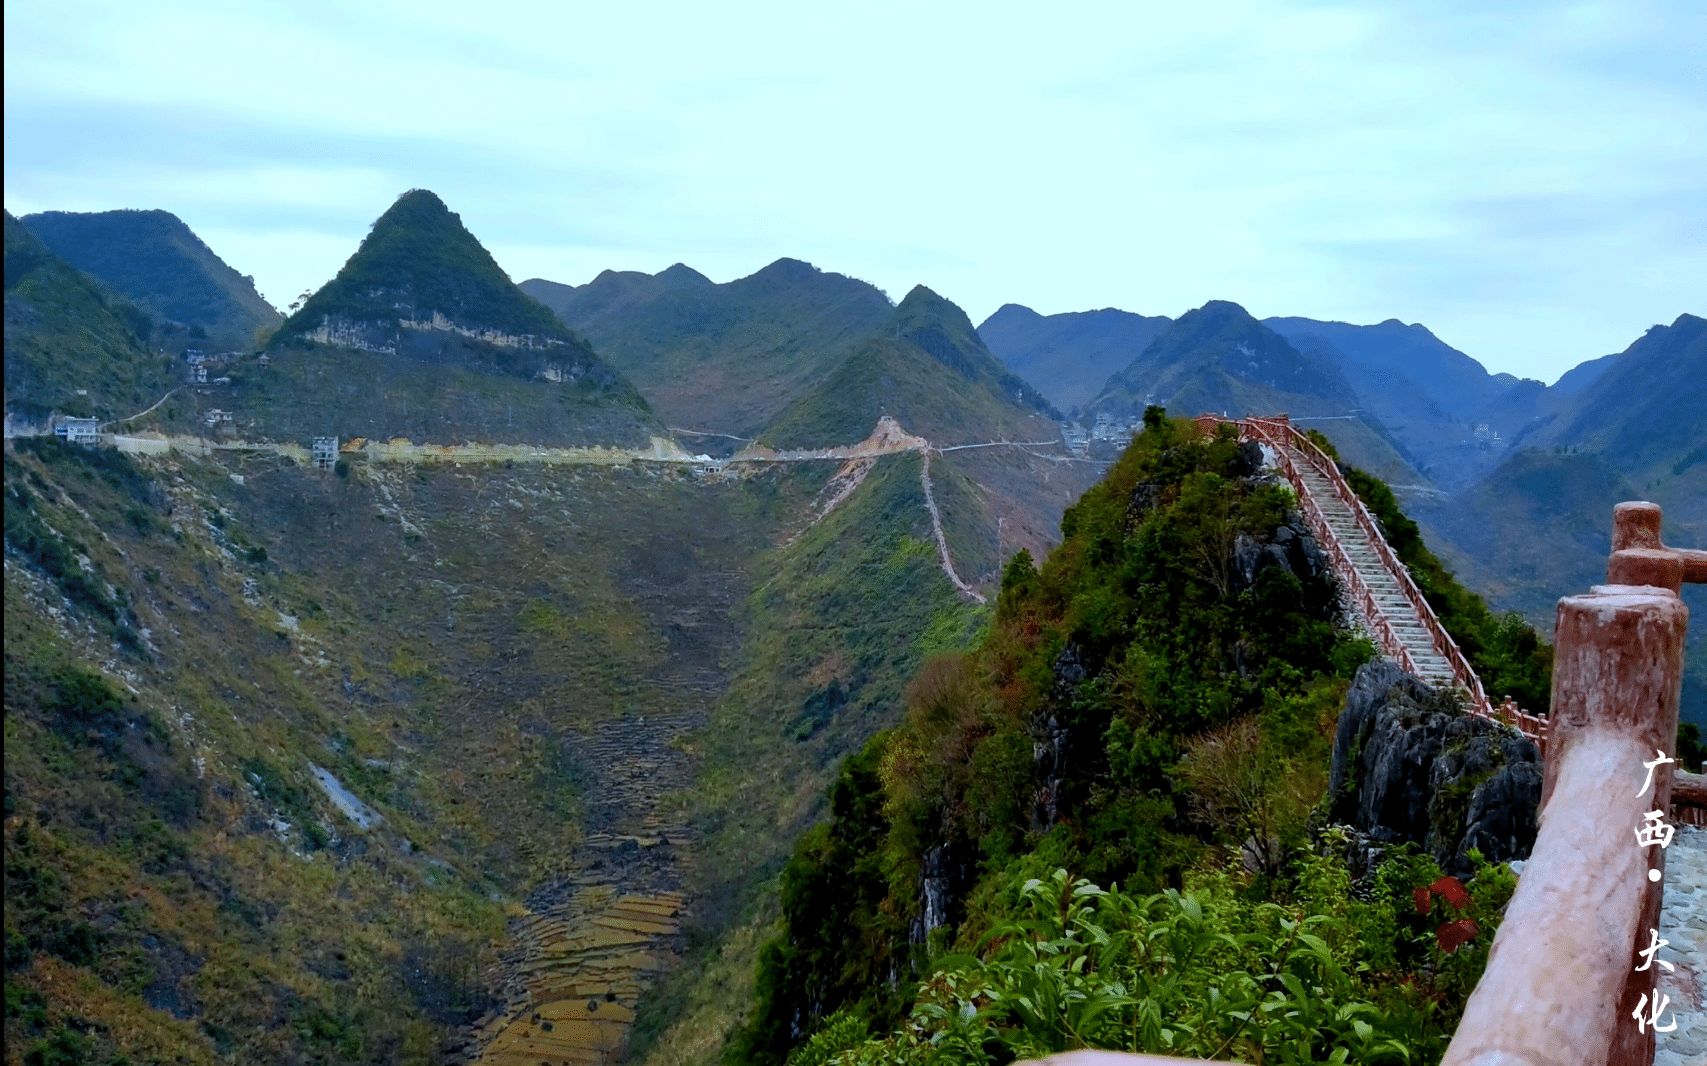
x: 1443, y: 642
x: 1286, y: 438
x: 1344, y: 568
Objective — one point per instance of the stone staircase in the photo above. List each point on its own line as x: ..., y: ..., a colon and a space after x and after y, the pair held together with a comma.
x: 1399, y: 613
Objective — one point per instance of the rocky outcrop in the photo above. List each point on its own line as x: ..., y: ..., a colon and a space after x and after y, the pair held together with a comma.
x: 1409, y: 765
x: 1291, y: 547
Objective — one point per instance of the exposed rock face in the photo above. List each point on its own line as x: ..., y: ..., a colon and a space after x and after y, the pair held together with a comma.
x: 1291, y: 547
x: 1409, y: 766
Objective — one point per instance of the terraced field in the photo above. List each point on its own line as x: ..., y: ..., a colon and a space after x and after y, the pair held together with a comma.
x: 590, y: 943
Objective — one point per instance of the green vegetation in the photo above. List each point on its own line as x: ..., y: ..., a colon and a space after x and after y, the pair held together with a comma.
x: 419, y: 255
x: 927, y: 369
x: 830, y: 636
x: 537, y: 382
x: 151, y: 257
x: 1317, y: 974
x: 319, y: 389
x: 1141, y: 710
x: 725, y: 358
x: 1505, y: 651
x: 65, y: 334
x: 179, y: 887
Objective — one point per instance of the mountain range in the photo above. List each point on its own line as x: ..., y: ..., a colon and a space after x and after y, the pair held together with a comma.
x: 721, y: 358
x: 473, y: 732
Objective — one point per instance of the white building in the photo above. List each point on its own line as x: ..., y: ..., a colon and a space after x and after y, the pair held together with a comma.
x: 78, y: 430
x: 325, y: 452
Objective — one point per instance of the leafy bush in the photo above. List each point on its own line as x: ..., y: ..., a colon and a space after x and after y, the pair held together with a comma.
x: 1207, y: 972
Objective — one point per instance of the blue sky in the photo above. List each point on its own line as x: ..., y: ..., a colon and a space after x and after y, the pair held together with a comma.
x: 1527, y: 179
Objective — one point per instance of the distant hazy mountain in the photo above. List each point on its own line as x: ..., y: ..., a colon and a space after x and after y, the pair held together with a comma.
x: 1539, y: 527
x: 1391, y: 365
x: 722, y: 358
x: 1583, y: 375
x: 1068, y: 357
x: 927, y: 368
x: 1219, y: 359
x: 70, y: 345
x: 1427, y: 395
x: 1646, y: 412
x: 422, y: 335
x: 152, y: 258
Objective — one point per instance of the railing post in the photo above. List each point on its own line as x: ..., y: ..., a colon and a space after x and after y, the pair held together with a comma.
x: 1561, y: 983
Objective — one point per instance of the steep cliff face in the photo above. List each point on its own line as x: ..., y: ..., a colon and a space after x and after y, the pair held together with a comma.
x: 1408, y: 766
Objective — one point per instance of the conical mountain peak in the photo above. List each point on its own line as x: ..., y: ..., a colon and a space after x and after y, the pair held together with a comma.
x: 681, y: 275
x: 1222, y: 310
x: 419, y: 264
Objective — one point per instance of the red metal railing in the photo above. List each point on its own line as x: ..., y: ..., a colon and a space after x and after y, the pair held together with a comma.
x: 1286, y: 441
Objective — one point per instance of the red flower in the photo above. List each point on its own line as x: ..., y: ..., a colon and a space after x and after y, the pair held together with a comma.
x: 1454, y: 935
x: 1451, y: 890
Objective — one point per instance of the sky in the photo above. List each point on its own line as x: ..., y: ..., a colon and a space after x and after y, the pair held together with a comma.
x: 1527, y: 179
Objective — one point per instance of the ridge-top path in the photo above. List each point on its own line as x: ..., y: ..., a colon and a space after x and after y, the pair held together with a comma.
x: 1378, y: 586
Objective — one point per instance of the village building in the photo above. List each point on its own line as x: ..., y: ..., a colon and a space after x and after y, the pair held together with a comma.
x: 78, y: 431
x: 216, y: 419
x: 198, y: 374
x: 325, y: 452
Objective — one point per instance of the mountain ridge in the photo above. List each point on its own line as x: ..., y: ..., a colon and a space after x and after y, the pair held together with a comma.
x: 152, y: 258
x: 71, y: 345
x: 723, y: 357
x: 1071, y: 355
x: 926, y: 368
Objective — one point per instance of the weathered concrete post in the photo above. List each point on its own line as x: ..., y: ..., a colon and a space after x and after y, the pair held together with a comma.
x: 1561, y: 983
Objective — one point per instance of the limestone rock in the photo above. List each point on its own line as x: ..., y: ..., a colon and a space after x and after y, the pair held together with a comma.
x: 1408, y: 765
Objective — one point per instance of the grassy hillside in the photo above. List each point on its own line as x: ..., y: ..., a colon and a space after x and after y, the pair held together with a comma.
x: 720, y: 358
x: 927, y: 369
x: 849, y: 610
x: 444, y: 646
x: 151, y: 257
x: 296, y: 759
x: 70, y: 345
x: 319, y: 389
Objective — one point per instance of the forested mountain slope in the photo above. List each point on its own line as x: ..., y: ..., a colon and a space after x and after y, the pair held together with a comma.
x: 720, y: 358
x: 422, y: 335
x: 152, y: 258
x: 71, y: 346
